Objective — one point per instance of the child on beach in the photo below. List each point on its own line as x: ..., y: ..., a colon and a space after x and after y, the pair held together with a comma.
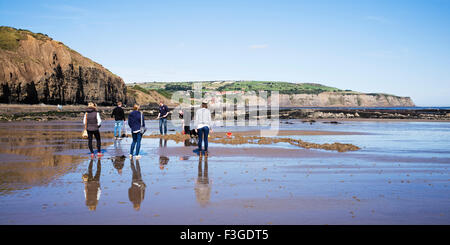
x: 92, y: 123
x: 136, y: 121
x: 119, y: 117
x: 203, y: 124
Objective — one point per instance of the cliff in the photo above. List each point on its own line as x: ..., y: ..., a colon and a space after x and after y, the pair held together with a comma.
x: 34, y: 68
x: 291, y: 94
x: 342, y: 99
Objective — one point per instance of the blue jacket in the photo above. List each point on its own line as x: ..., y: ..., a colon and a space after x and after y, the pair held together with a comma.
x: 134, y: 120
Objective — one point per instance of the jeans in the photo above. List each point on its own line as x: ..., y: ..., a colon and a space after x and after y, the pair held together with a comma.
x: 118, y: 125
x: 97, y: 138
x: 203, y: 135
x: 136, y: 142
x: 163, y: 122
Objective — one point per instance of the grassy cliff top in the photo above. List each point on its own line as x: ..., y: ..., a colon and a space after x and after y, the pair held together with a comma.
x: 10, y: 37
x: 282, y: 87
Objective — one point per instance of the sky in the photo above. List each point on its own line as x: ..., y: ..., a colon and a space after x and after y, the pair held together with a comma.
x: 397, y: 47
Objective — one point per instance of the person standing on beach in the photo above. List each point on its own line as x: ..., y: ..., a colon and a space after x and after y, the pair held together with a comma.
x: 92, y: 123
x: 185, y: 114
x: 136, y: 121
x: 162, y: 116
x: 203, y: 124
x: 119, y: 116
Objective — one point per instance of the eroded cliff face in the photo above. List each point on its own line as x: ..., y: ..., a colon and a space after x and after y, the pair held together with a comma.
x: 41, y: 70
x: 339, y: 99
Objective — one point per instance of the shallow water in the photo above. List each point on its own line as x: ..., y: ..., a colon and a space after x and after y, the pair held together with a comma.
x: 400, y: 176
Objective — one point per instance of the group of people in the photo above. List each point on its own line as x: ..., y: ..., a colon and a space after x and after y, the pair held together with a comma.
x: 136, y: 121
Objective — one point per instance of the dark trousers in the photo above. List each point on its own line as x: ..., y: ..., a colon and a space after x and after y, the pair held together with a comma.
x: 203, y: 136
x: 97, y: 138
x: 187, y: 130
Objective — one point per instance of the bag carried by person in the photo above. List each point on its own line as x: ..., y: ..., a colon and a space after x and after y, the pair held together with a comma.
x: 84, y: 135
x: 143, y: 129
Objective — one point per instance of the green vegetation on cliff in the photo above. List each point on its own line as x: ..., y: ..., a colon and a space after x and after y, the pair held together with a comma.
x: 282, y: 87
x: 10, y: 37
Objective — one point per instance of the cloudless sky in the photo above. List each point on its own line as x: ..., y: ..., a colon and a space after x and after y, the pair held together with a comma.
x: 399, y: 47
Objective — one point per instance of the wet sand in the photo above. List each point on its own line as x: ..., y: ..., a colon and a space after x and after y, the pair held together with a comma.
x: 48, y: 178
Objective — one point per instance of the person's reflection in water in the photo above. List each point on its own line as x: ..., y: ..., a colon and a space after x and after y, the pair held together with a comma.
x: 163, y: 160
x: 118, y: 163
x: 137, y: 190
x: 202, y: 187
x: 92, y: 189
x: 161, y: 142
x: 190, y: 142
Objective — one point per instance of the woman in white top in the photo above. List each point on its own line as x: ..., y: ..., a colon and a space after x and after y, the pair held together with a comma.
x: 203, y: 124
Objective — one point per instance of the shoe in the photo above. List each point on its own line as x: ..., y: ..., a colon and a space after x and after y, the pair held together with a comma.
x: 119, y: 138
x: 200, y: 153
x: 131, y: 156
x: 206, y: 153
x: 92, y: 155
x: 138, y: 157
x: 99, y: 154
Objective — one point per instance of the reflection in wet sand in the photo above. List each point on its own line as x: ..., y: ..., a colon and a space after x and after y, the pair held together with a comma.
x: 92, y: 189
x: 163, y: 160
x: 202, y: 187
x: 137, y: 190
x: 37, y: 156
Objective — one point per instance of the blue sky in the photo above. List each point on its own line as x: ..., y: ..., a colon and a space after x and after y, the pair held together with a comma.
x: 397, y: 47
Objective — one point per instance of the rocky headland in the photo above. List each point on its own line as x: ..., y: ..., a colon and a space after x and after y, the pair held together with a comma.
x: 35, y: 69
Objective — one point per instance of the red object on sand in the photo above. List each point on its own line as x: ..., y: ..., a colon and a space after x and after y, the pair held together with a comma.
x: 229, y: 134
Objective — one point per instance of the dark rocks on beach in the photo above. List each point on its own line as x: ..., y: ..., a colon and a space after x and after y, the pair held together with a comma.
x: 342, y: 113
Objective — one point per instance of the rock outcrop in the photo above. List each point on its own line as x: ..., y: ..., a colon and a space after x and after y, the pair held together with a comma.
x: 37, y: 69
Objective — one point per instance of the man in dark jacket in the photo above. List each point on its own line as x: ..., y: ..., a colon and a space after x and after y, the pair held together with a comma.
x: 162, y: 116
x: 119, y: 116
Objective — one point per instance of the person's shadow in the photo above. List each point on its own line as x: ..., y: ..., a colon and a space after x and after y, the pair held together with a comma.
x: 92, y: 189
x: 202, y: 187
x: 136, y: 192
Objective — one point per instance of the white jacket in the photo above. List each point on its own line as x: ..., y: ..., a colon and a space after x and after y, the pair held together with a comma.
x: 203, y: 118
